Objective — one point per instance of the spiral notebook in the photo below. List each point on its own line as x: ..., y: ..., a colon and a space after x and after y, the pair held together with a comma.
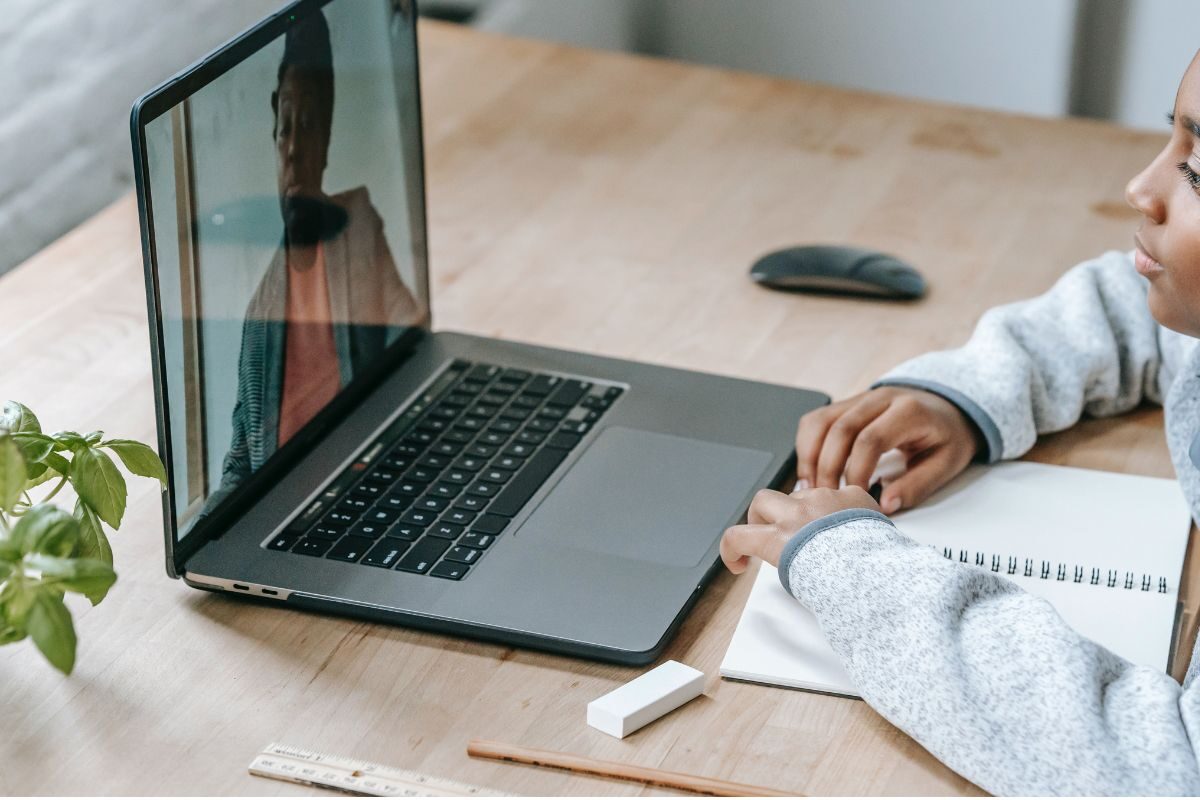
x: 1105, y: 549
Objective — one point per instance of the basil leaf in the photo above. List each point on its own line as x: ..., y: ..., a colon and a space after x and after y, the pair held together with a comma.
x: 12, y: 473
x: 18, y: 419
x: 39, y: 474
x: 49, y: 625
x: 34, y: 446
x: 93, y: 543
x: 46, y: 529
x: 10, y: 633
x: 138, y: 458
x: 99, y: 483
x: 84, y: 575
x: 58, y: 463
x: 69, y: 440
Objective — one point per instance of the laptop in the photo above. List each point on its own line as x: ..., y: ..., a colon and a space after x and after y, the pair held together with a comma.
x: 327, y: 449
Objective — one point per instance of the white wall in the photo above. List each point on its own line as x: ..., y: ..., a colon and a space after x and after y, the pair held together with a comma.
x: 69, y: 71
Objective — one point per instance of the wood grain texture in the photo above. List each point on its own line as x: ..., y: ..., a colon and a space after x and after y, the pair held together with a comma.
x: 615, y: 203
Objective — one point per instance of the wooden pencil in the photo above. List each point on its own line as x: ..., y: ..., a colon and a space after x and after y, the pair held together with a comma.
x: 479, y: 748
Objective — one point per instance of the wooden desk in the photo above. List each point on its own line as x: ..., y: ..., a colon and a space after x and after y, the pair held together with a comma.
x: 615, y: 203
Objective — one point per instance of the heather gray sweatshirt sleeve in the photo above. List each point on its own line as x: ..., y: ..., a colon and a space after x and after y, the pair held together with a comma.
x: 1089, y: 345
x: 985, y: 676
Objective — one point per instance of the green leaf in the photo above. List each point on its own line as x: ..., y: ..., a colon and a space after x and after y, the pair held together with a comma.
x: 39, y: 474
x: 84, y: 575
x: 12, y: 473
x: 18, y: 419
x: 93, y: 543
x: 34, y: 446
x: 16, y: 598
x: 49, y: 625
x: 10, y: 633
x: 46, y: 529
x: 100, y: 484
x: 94, y: 437
x: 138, y: 458
x: 58, y: 463
x: 69, y: 440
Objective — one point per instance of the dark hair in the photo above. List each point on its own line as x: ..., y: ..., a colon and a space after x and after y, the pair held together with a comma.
x: 308, y: 51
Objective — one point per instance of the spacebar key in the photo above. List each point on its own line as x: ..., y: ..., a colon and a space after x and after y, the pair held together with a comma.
x: 527, y: 482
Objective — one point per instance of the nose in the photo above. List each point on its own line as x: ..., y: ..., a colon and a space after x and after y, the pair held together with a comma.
x: 1143, y: 193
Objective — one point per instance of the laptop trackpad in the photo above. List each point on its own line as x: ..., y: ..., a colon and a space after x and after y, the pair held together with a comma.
x: 648, y: 496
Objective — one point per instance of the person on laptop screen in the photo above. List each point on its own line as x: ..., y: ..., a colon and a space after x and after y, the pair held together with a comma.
x: 332, y: 282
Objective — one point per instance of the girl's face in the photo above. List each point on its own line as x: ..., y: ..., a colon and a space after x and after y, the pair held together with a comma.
x: 1167, y: 193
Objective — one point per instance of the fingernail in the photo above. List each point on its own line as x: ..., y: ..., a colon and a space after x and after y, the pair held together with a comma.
x: 801, y: 485
x: 891, y: 505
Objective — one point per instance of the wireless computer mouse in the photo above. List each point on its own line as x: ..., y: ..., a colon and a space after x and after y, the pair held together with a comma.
x: 839, y: 270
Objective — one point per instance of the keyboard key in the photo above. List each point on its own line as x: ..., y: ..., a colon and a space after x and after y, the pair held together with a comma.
x: 490, y: 524
x: 369, y: 530
x: 284, y: 541
x: 503, y: 427
x: 408, y: 488
x: 353, y: 505
x: 581, y: 414
x: 434, y: 426
x: 569, y: 393
x: 326, y: 532
x: 542, y: 385
x: 470, y: 463
x: 479, y: 541
x: 564, y: 441
x: 463, y: 555
x: 494, y: 399
x: 518, y: 491
x: 519, y: 450
x: 446, y: 490
x: 450, y: 570
x: 481, y: 450
x: 553, y: 413
x: 457, y: 400
x: 457, y: 476
x: 459, y: 516
x: 482, y: 489
x: 445, y: 530
x: 338, y: 519
x: 468, y: 502
x: 445, y: 412
x: 383, y: 475
x: 428, y: 503
x: 312, y: 547
x: 421, y: 474
x: 420, y: 437
x: 368, y: 491
x: 613, y: 392
x: 495, y: 475
x: 407, y: 450
x: 471, y: 387
x: 508, y: 462
x: 483, y: 411
x: 526, y: 401
x: 458, y: 436
x: 435, y: 461
x: 381, y: 516
x: 416, y: 516
x: 447, y: 448
x: 530, y: 437
x: 422, y: 555
x: 351, y: 549
x: 482, y: 372
x: 516, y: 414
x: 471, y: 423
x: 577, y: 428
x: 399, y: 502
x: 515, y: 375
x: 385, y: 554
x: 493, y: 438
x: 405, y: 532
x: 397, y: 462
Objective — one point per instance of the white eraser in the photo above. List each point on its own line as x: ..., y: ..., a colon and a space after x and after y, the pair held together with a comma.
x: 644, y: 699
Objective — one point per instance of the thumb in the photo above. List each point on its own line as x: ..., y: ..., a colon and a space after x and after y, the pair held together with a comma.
x: 921, y: 479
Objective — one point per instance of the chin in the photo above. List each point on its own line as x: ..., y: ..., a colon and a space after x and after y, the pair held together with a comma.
x: 1166, y: 312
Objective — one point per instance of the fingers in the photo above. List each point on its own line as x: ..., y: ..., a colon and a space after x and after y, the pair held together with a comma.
x: 810, y: 435
x: 742, y: 542
x: 841, y: 435
x: 923, y: 478
x: 891, y: 429
x: 768, y: 507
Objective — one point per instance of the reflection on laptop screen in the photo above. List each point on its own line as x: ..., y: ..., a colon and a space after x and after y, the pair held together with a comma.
x: 286, y: 208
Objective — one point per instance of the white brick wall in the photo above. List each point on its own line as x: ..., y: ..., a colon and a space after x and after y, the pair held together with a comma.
x: 69, y: 71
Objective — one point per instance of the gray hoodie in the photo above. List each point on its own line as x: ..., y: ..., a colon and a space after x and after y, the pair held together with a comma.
x: 985, y: 676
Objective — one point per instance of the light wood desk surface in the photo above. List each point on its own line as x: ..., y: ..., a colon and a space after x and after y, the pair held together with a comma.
x: 589, y: 201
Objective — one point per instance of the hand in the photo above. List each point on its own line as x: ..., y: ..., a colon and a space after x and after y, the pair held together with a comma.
x: 849, y: 436
x: 775, y: 517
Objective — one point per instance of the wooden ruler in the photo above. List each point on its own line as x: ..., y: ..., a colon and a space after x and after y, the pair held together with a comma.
x: 296, y: 765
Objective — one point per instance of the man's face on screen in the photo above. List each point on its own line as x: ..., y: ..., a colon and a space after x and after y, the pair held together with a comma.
x: 301, y: 135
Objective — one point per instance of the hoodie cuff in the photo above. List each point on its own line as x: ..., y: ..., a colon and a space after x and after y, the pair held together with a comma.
x: 805, y: 535
x: 972, y: 410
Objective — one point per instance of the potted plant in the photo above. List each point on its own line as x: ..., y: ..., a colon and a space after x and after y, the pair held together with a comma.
x: 46, y: 551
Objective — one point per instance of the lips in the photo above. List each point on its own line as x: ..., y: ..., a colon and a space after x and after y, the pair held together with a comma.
x: 1144, y: 263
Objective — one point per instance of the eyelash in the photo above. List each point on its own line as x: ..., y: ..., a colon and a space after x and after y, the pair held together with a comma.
x: 1190, y: 175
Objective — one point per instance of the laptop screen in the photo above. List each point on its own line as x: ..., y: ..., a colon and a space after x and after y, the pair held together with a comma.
x: 286, y: 218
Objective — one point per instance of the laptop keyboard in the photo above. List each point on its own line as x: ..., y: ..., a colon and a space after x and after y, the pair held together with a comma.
x: 431, y: 495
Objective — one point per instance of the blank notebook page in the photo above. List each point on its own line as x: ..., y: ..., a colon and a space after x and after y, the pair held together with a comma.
x: 1105, y: 549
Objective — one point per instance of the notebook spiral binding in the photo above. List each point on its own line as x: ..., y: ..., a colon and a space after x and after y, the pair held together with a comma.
x: 1028, y: 567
